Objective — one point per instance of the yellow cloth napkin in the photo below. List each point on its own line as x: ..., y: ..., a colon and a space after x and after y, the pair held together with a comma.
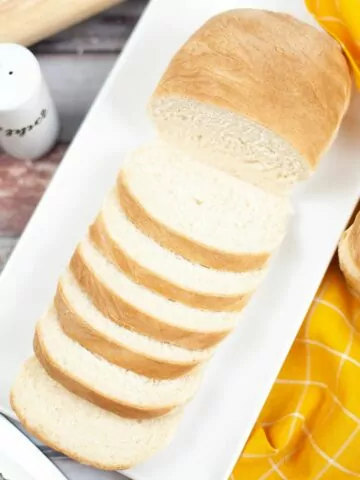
x: 341, y: 19
x: 309, y: 428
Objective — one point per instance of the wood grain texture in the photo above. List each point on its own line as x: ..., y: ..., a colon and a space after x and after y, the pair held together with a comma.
x: 21, y: 187
x: 76, y: 61
x: 106, y: 32
x: 28, y: 21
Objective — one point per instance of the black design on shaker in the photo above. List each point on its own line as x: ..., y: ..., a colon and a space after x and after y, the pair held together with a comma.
x: 9, y: 132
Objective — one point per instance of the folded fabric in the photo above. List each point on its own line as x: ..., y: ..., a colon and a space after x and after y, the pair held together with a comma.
x: 341, y: 19
x: 309, y: 427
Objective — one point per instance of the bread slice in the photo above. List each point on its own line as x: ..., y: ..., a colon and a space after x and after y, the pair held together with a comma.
x: 137, y: 308
x: 256, y: 93
x: 354, y: 239
x: 205, y: 215
x: 85, y: 324
x: 159, y: 269
x: 348, y: 266
x: 106, y: 385
x: 81, y: 430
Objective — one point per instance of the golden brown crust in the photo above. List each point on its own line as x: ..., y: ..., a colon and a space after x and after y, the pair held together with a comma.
x: 109, y: 248
x: 168, y: 238
x: 353, y: 281
x: 354, y: 240
x: 269, y: 67
x: 37, y: 433
x: 88, y: 392
x: 119, y: 354
x: 126, y: 315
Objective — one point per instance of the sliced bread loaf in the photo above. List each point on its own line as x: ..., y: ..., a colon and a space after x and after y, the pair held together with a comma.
x: 81, y: 430
x: 348, y: 265
x: 138, y: 308
x: 205, y: 215
x: 84, y: 323
x: 256, y: 93
x: 159, y: 269
x: 107, y: 385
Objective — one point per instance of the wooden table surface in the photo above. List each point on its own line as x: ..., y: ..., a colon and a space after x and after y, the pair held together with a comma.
x: 75, y: 64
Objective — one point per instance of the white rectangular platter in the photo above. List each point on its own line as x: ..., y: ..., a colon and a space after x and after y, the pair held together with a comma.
x: 218, y: 422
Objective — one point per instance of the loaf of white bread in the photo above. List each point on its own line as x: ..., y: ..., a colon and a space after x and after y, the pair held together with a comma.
x: 256, y: 93
x: 184, y: 237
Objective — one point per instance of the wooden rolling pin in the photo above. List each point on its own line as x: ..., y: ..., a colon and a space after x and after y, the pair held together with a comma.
x: 29, y: 21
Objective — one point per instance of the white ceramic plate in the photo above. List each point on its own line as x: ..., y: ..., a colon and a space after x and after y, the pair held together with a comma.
x: 219, y: 420
x: 20, y: 459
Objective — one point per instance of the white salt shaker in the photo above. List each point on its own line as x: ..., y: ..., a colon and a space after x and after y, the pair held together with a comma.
x: 29, y: 122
